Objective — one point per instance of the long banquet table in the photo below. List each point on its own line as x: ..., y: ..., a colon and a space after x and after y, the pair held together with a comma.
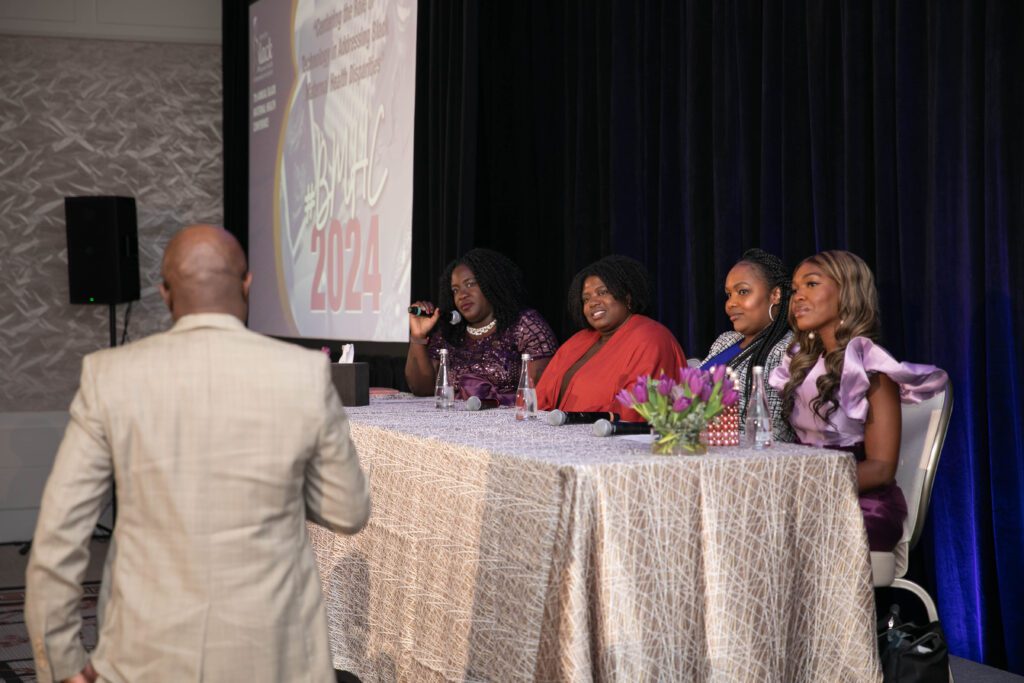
x: 514, y: 551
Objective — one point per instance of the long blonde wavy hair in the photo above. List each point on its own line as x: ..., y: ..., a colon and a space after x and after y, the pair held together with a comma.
x: 858, y: 317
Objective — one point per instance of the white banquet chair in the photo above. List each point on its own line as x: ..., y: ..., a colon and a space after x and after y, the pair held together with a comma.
x: 924, y: 432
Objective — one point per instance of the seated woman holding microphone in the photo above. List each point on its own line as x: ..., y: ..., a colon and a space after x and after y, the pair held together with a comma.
x: 616, y: 345
x: 757, y: 302
x: 486, y: 345
x: 841, y: 390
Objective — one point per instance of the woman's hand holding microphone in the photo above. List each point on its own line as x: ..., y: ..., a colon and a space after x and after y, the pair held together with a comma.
x: 422, y: 323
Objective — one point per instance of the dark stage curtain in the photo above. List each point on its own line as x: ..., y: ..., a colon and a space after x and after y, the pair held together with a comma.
x: 683, y: 132
x: 512, y: 120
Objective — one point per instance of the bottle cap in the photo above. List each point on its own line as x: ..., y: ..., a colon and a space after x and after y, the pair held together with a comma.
x: 526, y: 356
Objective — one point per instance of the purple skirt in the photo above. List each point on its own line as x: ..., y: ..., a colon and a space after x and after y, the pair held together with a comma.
x: 884, y: 509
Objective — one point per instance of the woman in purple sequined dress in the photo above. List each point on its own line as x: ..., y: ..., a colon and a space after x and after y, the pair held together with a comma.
x: 841, y: 390
x: 486, y: 347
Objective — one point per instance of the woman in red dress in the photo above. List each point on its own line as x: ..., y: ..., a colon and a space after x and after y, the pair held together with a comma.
x: 616, y: 345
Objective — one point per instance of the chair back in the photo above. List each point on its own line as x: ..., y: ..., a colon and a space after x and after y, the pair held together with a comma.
x: 923, y: 433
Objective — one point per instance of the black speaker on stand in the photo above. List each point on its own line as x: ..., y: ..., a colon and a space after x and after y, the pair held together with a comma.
x: 103, y: 258
x: 103, y: 252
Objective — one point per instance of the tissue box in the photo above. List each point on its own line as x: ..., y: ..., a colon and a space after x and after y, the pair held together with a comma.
x: 352, y: 380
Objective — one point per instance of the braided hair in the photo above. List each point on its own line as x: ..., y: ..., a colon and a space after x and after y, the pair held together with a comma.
x: 501, y: 282
x: 770, y: 269
x: 627, y: 280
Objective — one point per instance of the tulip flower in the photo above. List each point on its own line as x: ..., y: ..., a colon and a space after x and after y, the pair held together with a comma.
x: 624, y: 398
x: 640, y: 391
x: 729, y: 397
x: 665, y: 386
x: 696, y: 383
x: 705, y: 392
x: 681, y: 404
x: 718, y: 373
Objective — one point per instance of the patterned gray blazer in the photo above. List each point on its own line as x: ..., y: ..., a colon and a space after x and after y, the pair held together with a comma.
x: 781, y: 428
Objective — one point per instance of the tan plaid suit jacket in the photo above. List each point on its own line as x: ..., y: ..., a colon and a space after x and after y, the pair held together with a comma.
x: 221, y: 442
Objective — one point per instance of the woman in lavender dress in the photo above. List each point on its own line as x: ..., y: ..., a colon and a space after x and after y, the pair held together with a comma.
x: 486, y: 347
x: 841, y: 390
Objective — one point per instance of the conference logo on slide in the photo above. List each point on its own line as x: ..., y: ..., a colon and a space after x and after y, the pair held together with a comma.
x: 342, y: 178
x: 262, y: 51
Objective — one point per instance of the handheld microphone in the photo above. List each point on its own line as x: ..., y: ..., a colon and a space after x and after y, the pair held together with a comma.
x: 453, y: 317
x: 476, y: 403
x: 557, y: 418
x: 606, y: 428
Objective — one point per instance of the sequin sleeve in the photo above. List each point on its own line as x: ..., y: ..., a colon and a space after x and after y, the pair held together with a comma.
x: 435, y: 342
x: 534, y: 336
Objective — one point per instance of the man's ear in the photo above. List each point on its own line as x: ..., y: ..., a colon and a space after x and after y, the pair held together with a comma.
x: 246, y: 283
x: 165, y: 294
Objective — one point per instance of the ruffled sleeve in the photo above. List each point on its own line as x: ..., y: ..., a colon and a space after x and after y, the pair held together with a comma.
x: 780, y: 375
x: 863, y: 358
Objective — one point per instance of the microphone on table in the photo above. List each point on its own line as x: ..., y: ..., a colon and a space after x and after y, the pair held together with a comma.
x: 606, y: 428
x: 476, y: 403
x: 557, y: 418
x: 453, y: 317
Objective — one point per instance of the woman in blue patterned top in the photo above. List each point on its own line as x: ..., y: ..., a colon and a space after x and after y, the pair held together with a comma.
x: 757, y: 293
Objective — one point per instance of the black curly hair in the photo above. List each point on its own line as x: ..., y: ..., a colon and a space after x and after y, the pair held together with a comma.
x: 501, y: 282
x: 627, y: 279
x: 769, y: 268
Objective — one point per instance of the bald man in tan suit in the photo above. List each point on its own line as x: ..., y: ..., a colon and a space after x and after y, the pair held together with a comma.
x: 222, y: 443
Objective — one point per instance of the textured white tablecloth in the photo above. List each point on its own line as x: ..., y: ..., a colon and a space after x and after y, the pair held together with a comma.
x: 513, y: 551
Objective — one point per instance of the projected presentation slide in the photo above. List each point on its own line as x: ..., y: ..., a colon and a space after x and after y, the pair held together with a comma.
x: 330, y: 167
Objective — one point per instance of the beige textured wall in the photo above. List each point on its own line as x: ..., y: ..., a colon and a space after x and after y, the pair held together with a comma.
x: 94, y: 117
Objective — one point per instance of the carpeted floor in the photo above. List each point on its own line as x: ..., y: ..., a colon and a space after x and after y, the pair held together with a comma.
x: 15, y: 649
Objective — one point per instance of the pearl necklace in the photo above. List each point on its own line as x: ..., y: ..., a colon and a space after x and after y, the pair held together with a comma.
x: 481, y: 331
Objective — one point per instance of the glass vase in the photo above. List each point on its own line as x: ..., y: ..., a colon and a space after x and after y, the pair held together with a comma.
x: 688, y: 442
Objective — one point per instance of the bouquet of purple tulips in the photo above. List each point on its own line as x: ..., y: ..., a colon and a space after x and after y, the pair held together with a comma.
x: 680, y: 408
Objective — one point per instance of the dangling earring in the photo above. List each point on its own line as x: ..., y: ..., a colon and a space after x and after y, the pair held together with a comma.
x: 810, y: 335
x: 770, y: 316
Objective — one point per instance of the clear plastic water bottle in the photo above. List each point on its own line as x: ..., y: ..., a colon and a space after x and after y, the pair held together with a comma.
x: 757, y: 428
x: 526, y: 394
x: 444, y: 392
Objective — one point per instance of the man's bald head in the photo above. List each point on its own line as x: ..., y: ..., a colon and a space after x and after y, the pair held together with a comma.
x: 204, y: 271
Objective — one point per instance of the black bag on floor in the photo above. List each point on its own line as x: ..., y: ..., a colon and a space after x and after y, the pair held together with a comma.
x: 912, y: 653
